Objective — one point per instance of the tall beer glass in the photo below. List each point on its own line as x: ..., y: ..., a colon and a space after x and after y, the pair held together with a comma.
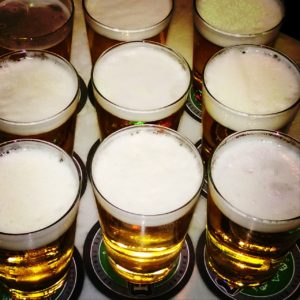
x: 39, y: 95
x: 36, y: 25
x: 147, y: 180
x: 40, y: 190
x: 111, y: 22
x: 253, y: 210
x: 139, y: 82
x: 224, y: 23
x: 247, y: 87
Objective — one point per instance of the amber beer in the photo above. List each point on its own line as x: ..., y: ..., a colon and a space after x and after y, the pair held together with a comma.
x: 158, y: 174
x: 111, y: 22
x: 253, y: 212
x: 39, y: 95
x: 139, y: 82
x: 36, y: 25
x: 247, y: 87
x: 223, y: 23
x: 40, y: 190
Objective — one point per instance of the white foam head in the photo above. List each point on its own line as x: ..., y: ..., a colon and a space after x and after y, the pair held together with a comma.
x: 129, y: 20
x: 40, y: 187
x: 256, y: 179
x: 251, y: 87
x: 231, y: 22
x: 39, y: 91
x: 141, y: 81
x: 147, y: 174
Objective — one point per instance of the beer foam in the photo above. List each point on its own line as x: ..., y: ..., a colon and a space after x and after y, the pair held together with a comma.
x: 37, y: 188
x: 229, y: 22
x: 34, y: 89
x: 254, y: 81
x: 259, y: 176
x: 147, y: 172
x: 141, y: 77
x: 129, y: 20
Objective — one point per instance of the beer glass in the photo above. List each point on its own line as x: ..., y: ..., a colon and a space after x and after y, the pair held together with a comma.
x: 111, y: 22
x: 36, y: 25
x: 253, y: 208
x: 224, y: 23
x: 39, y: 96
x: 146, y: 180
x: 139, y: 82
x: 40, y: 190
x: 247, y: 87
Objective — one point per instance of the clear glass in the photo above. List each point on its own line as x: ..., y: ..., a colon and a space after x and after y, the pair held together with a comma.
x: 39, y: 96
x: 37, y: 241
x: 245, y: 243
x: 37, y: 25
x: 143, y: 239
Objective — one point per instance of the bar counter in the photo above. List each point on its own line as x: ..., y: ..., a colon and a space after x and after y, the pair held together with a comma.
x: 180, y: 38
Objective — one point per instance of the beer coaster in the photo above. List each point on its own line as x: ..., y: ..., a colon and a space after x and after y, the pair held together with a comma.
x: 73, y: 285
x: 284, y: 285
x: 83, y: 94
x: 89, y: 157
x: 193, y: 105
x: 110, y: 284
x: 90, y: 93
x: 81, y: 165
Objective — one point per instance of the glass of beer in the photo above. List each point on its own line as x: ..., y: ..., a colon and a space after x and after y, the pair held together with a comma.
x: 111, y: 22
x: 253, y: 210
x: 146, y: 180
x: 36, y: 25
x: 39, y: 96
x: 40, y: 191
x: 139, y: 82
x: 224, y: 23
x: 247, y: 87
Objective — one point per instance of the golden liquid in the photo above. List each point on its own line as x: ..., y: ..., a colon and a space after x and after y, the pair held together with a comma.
x: 142, y: 254
x: 63, y: 136
x: 37, y: 273
x: 98, y: 43
x: 109, y: 123
x: 239, y: 255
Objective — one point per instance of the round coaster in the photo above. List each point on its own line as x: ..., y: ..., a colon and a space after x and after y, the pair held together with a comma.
x: 284, y: 285
x: 72, y: 287
x: 109, y: 283
x: 90, y: 93
x: 193, y: 105
x: 83, y: 94
x: 89, y: 157
x: 81, y: 165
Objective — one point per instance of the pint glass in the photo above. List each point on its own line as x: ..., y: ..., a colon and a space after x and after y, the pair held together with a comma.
x: 36, y: 25
x: 224, y: 23
x: 139, y: 82
x: 111, y: 22
x: 39, y: 95
x: 40, y: 190
x: 253, y: 210
x: 247, y: 87
x: 146, y: 180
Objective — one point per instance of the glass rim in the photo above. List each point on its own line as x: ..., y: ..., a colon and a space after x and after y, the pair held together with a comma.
x: 241, y: 113
x: 239, y: 134
x: 36, y: 38
x: 23, y: 55
x: 159, y: 129
x: 65, y: 154
x: 174, y: 53
x: 114, y: 29
x: 239, y: 35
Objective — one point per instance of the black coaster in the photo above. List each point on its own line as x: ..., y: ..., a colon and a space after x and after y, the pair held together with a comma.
x: 113, y: 286
x: 83, y: 94
x: 193, y: 105
x: 90, y: 93
x: 90, y: 156
x: 284, y: 285
x: 81, y: 165
x: 72, y: 287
